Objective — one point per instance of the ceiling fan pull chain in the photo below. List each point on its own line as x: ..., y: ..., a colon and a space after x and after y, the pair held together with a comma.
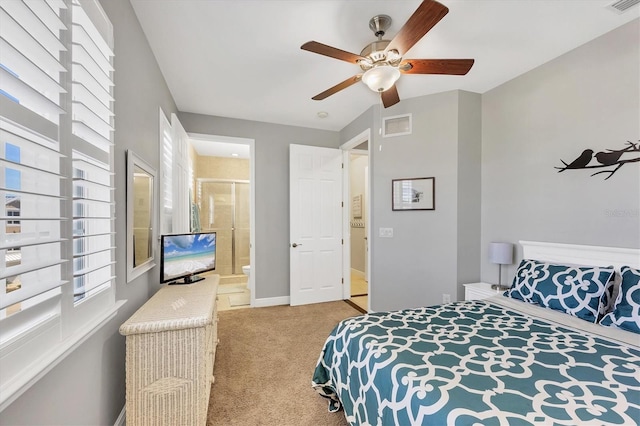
x: 380, y: 118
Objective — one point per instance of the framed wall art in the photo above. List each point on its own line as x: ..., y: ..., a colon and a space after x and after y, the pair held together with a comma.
x: 356, y: 206
x: 413, y: 194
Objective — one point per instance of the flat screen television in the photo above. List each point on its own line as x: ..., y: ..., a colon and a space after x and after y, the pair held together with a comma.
x: 184, y: 256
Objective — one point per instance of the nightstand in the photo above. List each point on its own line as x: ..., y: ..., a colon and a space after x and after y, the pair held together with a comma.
x: 475, y: 291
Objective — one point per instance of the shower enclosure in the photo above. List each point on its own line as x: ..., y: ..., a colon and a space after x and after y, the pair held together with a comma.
x: 224, y: 208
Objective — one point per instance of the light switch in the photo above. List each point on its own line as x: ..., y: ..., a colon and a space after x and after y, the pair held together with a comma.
x: 386, y: 232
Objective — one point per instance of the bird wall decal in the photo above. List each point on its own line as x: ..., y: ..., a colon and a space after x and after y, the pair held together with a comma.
x: 580, y: 162
x: 608, y: 158
x: 611, y: 157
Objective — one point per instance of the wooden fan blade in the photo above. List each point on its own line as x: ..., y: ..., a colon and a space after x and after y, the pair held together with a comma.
x: 338, y: 87
x: 332, y: 52
x: 436, y: 66
x: 390, y: 97
x: 428, y: 14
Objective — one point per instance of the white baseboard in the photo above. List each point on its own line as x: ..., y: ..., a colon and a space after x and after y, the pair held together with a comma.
x: 271, y: 301
x: 122, y: 418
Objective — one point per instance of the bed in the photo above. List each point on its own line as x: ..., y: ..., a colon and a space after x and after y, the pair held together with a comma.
x: 500, y: 360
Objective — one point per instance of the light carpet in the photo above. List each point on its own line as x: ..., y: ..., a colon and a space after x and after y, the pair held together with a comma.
x: 265, y: 362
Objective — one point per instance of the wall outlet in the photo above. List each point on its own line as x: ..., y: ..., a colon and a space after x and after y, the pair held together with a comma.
x: 446, y: 298
x: 385, y: 232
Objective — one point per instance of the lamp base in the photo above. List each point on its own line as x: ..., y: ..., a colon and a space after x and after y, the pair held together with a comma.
x: 499, y: 287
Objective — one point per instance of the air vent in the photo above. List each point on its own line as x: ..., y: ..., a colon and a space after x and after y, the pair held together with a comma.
x: 396, y: 126
x: 622, y: 6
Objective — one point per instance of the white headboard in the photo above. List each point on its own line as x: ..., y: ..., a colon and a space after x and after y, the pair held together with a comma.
x: 581, y: 255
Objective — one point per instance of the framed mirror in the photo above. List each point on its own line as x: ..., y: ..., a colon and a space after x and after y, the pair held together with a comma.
x: 141, y: 216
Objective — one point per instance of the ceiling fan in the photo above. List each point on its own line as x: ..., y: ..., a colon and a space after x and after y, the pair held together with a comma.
x: 381, y: 62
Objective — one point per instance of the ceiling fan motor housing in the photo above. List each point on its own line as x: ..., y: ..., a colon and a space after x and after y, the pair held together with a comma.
x: 374, y: 52
x: 379, y: 24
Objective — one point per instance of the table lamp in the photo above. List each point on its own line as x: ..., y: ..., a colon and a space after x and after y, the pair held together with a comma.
x: 502, y: 254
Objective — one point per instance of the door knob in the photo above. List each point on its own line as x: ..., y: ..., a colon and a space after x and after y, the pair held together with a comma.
x: 294, y: 245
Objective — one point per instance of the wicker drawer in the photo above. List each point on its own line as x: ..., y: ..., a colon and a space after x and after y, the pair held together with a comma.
x: 170, y: 350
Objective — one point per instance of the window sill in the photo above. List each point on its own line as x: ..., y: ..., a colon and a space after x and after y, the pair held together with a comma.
x: 12, y: 389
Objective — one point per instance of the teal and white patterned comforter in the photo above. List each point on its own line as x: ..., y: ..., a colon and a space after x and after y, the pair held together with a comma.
x: 476, y: 362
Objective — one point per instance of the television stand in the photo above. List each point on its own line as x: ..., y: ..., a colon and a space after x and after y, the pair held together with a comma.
x: 170, y: 352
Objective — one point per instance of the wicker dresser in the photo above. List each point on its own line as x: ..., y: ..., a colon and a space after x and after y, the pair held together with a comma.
x: 171, y: 345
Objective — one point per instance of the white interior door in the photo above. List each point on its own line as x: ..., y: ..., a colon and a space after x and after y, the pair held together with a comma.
x: 315, y: 251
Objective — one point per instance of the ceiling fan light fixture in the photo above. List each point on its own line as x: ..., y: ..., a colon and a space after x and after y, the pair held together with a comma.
x: 365, y: 64
x: 393, y: 57
x: 381, y: 77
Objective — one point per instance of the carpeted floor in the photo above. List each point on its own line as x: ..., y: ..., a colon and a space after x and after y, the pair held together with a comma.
x: 264, y: 364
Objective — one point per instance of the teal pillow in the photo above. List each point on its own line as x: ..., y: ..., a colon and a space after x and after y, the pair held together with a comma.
x: 575, y: 290
x: 626, y: 311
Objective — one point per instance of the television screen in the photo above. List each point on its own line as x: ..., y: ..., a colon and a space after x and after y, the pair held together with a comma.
x: 183, y: 256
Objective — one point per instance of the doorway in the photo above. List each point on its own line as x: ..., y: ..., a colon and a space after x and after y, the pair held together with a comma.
x: 358, y: 167
x: 223, y: 176
x: 356, y: 219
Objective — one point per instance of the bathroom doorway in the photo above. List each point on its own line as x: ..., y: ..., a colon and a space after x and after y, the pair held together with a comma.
x: 223, y: 198
x: 356, y: 220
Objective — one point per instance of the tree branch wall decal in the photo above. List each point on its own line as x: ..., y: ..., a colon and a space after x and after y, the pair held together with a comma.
x: 612, y: 158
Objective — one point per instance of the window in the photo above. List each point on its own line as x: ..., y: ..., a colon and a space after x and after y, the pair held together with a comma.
x: 57, y: 260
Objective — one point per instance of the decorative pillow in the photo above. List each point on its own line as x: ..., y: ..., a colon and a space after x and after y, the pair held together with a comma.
x: 626, y: 312
x: 608, y: 299
x: 576, y: 290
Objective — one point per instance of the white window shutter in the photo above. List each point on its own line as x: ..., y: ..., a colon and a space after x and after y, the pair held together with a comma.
x: 92, y: 123
x: 166, y: 180
x: 56, y: 182
x: 31, y: 179
x: 180, y: 171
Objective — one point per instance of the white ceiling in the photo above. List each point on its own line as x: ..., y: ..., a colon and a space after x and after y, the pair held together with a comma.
x: 220, y: 146
x: 242, y: 59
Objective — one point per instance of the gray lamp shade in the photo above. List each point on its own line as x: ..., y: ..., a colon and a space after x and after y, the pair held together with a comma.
x: 501, y: 253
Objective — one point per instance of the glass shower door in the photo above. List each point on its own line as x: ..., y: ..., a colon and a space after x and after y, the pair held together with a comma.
x: 242, y: 227
x: 224, y: 208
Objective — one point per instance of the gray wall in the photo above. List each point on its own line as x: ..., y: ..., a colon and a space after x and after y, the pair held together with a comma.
x: 271, y: 158
x: 420, y: 263
x: 469, y: 188
x: 587, y: 98
x: 87, y: 387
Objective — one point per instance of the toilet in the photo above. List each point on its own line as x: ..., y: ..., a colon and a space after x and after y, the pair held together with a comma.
x: 246, y: 269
